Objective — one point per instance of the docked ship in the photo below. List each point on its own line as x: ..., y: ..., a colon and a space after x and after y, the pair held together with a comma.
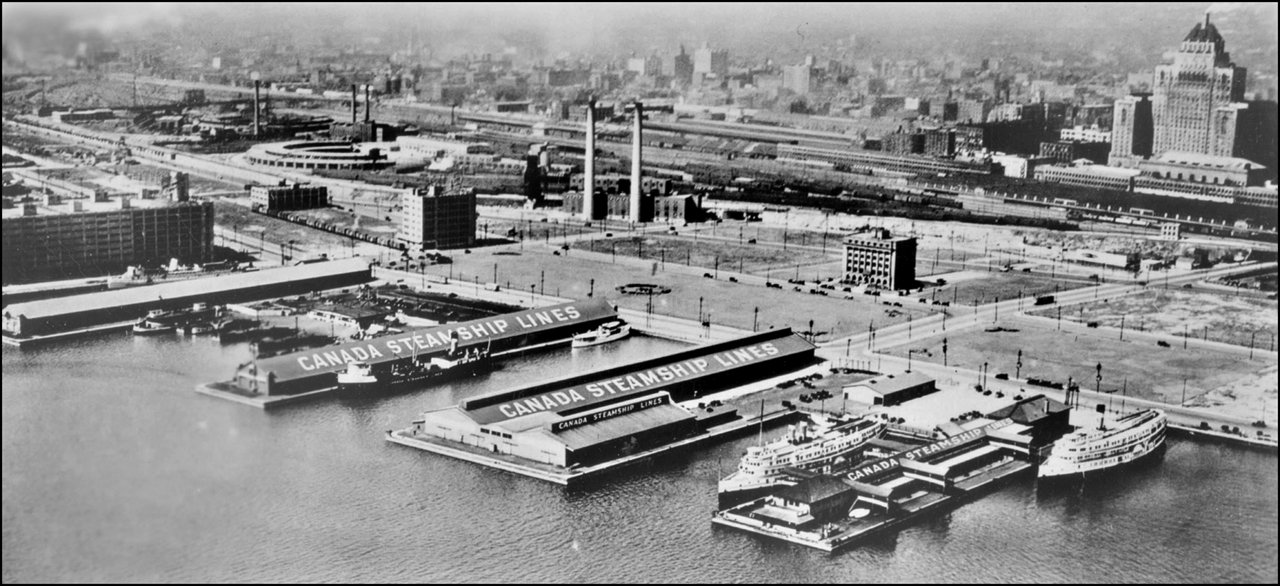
x: 156, y: 322
x: 608, y: 332
x: 361, y: 379
x: 804, y: 447
x: 1124, y: 440
x: 146, y: 327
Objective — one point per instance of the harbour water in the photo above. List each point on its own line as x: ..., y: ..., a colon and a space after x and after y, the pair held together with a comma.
x: 114, y: 469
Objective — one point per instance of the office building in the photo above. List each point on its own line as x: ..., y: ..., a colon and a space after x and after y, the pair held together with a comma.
x: 879, y: 260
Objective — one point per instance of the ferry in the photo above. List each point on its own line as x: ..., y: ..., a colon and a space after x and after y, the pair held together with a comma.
x: 805, y: 446
x: 1090, y: 450
x: 361, y: 379
x: 609, y: 332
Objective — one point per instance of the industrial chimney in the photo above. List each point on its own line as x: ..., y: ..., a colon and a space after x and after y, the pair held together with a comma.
x: 636, y: 138
x: 368, y: 104
x: 257, y: 126
x: 589, y: 170
x: 355, y: 99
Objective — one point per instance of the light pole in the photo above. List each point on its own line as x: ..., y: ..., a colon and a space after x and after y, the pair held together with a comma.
x: 1018, y: 372
x: 699, y: 310
x: 756, y: 317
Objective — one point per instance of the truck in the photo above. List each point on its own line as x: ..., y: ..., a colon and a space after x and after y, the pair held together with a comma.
x: 1044, y: 300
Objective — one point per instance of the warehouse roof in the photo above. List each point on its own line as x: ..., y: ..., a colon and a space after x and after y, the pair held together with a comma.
x: 193, y: 289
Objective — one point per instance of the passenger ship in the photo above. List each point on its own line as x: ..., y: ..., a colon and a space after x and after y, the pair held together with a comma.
x: 805, y: 447
x: 614, y: 330
x: 1089, y: 450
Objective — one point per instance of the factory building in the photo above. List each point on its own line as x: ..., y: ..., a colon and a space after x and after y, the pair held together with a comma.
x: 81, y: 239
x: 875, y: 258
x: 279, y: 198
x: 431, y: 219
x: 590, y: 418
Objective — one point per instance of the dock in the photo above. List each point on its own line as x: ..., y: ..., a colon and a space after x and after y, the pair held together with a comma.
x: 832, y: 537
x: 567, y: 476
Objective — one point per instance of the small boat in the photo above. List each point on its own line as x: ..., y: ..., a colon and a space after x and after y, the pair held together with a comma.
x: 608, y: 332
x: 202, y: 329
x: 147, y: 328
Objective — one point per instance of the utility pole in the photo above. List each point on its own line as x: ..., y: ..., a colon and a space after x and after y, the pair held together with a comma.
x: 1018, y: 372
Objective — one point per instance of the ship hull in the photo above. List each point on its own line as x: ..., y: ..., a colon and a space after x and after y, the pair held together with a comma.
x: 576, y: 343
x: 386, y: 385
x: 1052, y: 473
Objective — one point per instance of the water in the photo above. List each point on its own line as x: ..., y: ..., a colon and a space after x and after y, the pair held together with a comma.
x: 114, y: 469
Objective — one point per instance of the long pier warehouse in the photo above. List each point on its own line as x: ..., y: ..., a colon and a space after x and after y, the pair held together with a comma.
x: 588, y: 419
x: 311, y: 370
x: 48, y: 316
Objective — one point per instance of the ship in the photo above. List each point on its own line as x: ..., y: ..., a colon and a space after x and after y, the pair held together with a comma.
x: 361, y: 379
x: 1123, y: 441
x: 608, y: 332
x: 804, y: 447
x: 146, y: 327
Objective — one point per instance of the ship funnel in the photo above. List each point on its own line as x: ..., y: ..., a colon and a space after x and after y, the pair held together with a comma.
x: 453, y: 343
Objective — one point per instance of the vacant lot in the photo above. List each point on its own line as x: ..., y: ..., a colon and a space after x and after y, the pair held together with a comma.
x: 1200, y: 314
x: 713, y: 254
x: 732, y: 304
x: 1152, y: 372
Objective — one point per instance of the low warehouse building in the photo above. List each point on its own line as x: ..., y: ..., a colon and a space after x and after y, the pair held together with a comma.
x: 892, y: 389
x: 48, y: 316
x: 315, y: 369
x: 591, y: 418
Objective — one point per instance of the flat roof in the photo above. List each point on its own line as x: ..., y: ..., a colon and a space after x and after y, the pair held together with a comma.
x: 579, y: 392
x: 893, y: 383
x: 622, y: 426
x: 430, y: 340
x: 1202, y: 160
x: 193, y: 289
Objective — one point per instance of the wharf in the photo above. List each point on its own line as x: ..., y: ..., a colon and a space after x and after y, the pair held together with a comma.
x: 832, y: 537
x: 68, y: 335
x: 563, y: 476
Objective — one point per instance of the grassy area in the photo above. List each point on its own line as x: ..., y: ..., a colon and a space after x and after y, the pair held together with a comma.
x: 1152, y: 372
x: 713, y: 254
x: 1200, y: 314
x: 726, y: 303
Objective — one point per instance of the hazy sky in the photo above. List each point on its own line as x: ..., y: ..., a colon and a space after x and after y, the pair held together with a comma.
x: 556, y: 28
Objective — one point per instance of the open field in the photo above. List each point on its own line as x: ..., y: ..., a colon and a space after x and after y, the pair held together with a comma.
x: 726, y: 303
x: 979, y: 286
x: 713, y: 254
x: 1152, y: 372
x: 1200, y: 314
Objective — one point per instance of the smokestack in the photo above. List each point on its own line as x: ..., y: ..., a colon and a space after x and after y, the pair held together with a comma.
x: 355, y: 99
x: 636, y: 138
x: 257, y: 87
x: 589, y: 179
x: 368, y: 104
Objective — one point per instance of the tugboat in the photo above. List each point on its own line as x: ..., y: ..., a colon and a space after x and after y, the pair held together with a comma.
x: 361, y: 379
x: 608, y: 332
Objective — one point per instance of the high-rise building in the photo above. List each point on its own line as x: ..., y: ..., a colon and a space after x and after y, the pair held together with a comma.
x: 432, y: 219
x: 1194, y: 101
x: 877, y: 259
x: 707, y: 61
x: 1131, y: 134
x: 798, y: 78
